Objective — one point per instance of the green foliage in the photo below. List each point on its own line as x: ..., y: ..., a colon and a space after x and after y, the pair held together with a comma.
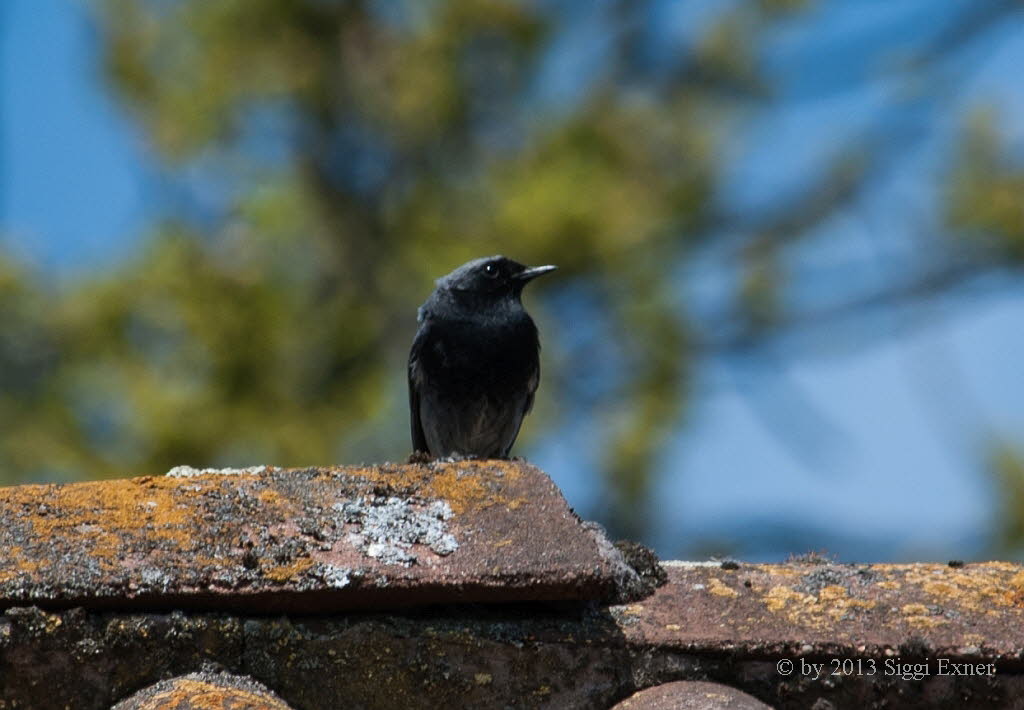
x: 1007, y: 465
x: 406, y: 139
x: 279, y: 329
x: 987, y: 196
x: 273, y: 334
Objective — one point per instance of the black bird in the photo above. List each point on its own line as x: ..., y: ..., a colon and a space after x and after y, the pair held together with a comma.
x: 474, y: 364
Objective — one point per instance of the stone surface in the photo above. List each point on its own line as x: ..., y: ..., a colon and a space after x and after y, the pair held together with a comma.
x: 691, y: 695
x: 974, y: 611
x: 204, y: 691
x: 706, y: 624
x: 305, y: 540
x: 369, y: 588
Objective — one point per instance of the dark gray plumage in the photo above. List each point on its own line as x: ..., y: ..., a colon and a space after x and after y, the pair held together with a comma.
x: 474, y: 364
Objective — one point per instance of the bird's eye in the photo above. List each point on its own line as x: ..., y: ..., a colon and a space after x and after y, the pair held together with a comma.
x: 491, y: 270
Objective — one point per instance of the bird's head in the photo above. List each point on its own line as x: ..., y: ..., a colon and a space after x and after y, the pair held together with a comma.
x: 491, y: 278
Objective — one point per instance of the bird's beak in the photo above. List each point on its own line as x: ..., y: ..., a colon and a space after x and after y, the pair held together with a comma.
x: 530, y: 274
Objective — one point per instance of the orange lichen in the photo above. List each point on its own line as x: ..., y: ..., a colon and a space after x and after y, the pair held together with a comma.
x: 96, y: 506
x: 19, y: 564
x: 464, y: 485
x: 99, y: 514
x: 147, y: 532
x: 271, y: 497
x: 201, y: 695
x: 285, y: 573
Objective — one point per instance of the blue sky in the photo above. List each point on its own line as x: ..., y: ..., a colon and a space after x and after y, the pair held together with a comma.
x: 915, y: 411
x: 897, y: 469
x: 74, y: 172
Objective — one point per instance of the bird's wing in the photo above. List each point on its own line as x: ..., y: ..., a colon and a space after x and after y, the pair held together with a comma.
x: 527, y: 404
x: 419, y: 440
x: 531, y: 389
x: 515, y: 423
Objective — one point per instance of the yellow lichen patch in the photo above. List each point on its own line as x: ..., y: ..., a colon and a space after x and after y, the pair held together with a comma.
x: 53, y: 622
x: 924, y: 622
x: 939, y: 589
x: 830, y: 605
x: 852, y: 605
x: 1015, y: 592
x: 460, y: 492
x: 200, y: 561
x: 890, y: 584
x: 976, y: 588
x: 720, y: 589
x: 919, y: 616
x: 464, y: 485
x: 832, y: 593
x: 779, y: 570
x: 781, y: 597
x: 1004, y: 566
x: 284, y: 573
x: 835, y: 602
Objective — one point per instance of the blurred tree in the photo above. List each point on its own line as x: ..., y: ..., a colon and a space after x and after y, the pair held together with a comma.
x: 1007, y: 465
x: 335, y: 156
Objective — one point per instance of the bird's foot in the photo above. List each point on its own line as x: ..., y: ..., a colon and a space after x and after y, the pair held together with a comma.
x: 419, y: 457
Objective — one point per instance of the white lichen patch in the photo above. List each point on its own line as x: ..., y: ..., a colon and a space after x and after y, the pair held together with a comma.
x: 333, y: 576
x: 386, y: 528
x: 190, y: 471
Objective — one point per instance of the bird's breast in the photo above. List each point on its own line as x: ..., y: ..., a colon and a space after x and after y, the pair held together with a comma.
x: 470, y: 357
